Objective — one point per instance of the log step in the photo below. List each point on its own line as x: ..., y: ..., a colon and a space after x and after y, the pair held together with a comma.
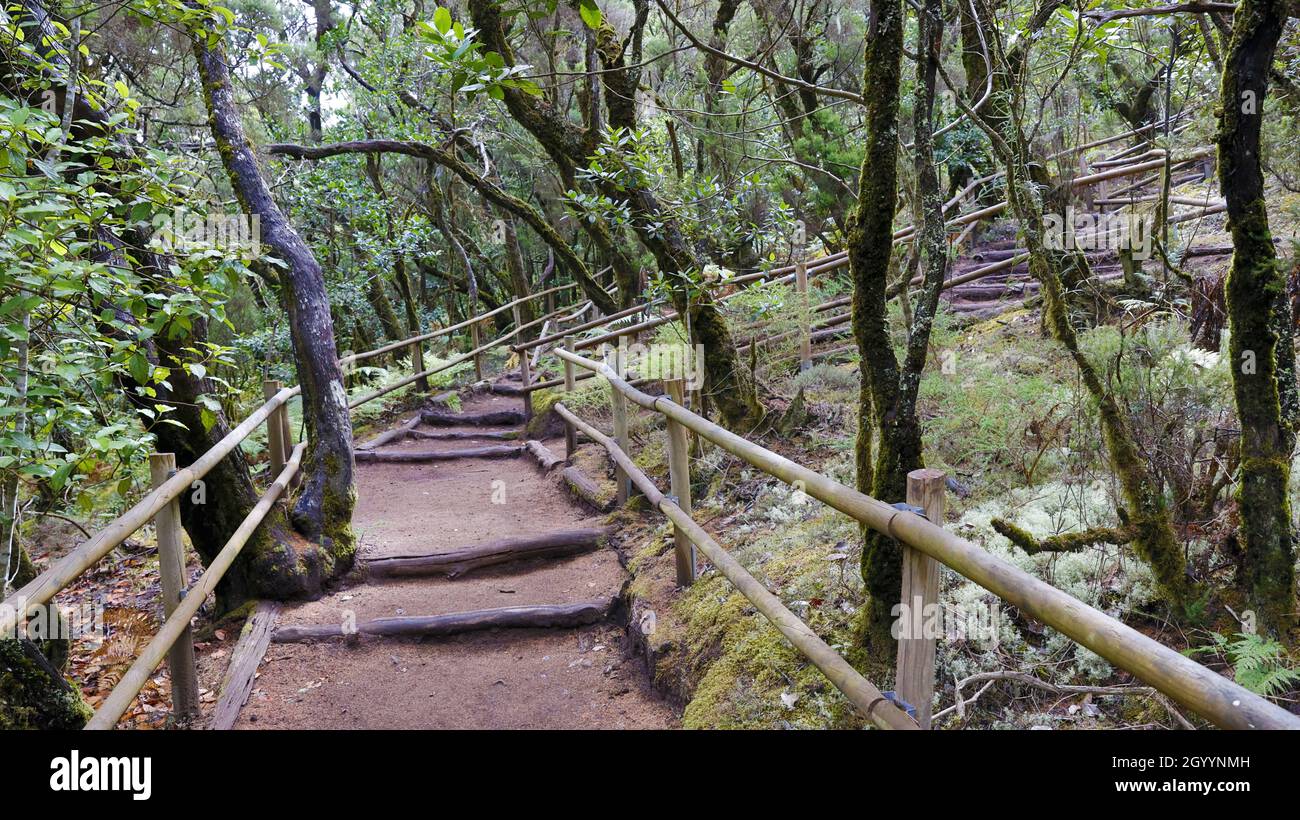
x: 458, y: 435
x: 503, y: 550
x: 400, y: 432
x: 490, y: 451
x: 502, y: 417
x: 587, y: 490
x: 545, y: 458
x: 510, y: 617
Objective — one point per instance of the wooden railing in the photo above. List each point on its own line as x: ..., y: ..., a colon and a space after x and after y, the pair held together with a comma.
x: 1187, y: 682
x: 800, y: 272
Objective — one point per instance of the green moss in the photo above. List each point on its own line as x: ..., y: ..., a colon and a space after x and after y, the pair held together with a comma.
x: 33, y: 695
x: 543, y: 416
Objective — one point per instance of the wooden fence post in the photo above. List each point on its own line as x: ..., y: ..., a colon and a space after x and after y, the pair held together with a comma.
x: 916, y: 652
x: 618, y: 403
x: 679, y: 478
x: 570, y: 434
x: 275, y: 428
x: 475, y: 340
x: 287, y: 438
x: 525, y: 378
x: 171, y: 569
x: 805, y: 319
x: 417, y: 365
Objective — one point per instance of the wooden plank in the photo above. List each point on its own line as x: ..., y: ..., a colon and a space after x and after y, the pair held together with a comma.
x: 237, y: 685
x: 570, y: 438
x: 805, y: 332
x: 503, y: 550
x: 453, y: 623
x: 622, y: 483
x: 679, y: 477
x: 275, y: 428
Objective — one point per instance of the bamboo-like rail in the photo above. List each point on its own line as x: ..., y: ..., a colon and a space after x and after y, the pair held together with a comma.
x: 119, y: 700
x: 42, y: 589
x: 859, y: 691
x: 1199, y: 689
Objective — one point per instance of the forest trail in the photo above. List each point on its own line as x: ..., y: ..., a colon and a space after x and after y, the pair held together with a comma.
x: 535, y: 678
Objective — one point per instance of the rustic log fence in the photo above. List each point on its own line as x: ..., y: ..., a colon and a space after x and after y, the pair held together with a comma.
x: 1182, y: 679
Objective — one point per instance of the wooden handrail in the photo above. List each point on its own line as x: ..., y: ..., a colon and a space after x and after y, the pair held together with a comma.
x: 119, y: 700
x: 859, y: 691
x: 41, y: 589
x: 1201, y: 690
x: 424, y: 337
x: 49, y: 583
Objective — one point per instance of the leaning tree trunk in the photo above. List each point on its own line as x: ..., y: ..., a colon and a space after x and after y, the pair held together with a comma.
x: 323, y: 510
x: 1261, y: 345
x: 1147, y: 512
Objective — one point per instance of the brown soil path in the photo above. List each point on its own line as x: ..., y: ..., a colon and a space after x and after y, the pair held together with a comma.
x: 508, y: 678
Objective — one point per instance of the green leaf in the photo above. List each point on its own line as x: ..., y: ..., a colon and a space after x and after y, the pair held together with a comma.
x: 590, y: 13
x: 442, y: 20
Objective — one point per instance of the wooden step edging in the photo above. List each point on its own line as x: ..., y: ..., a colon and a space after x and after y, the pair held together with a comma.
x: 545, y: 616
x: 859, y: 691
x: 457, y: 562
x: 488, y: 419
x: 546, y: 459
x: 419, y: 457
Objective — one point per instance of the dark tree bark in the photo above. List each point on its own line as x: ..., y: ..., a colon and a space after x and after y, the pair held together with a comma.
x: 209, y: 525
x: 322, y: 511
x: 519, y: 284
x: 1261, y: 344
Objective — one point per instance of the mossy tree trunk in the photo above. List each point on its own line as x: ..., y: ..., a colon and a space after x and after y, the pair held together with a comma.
x: 1261, y: 344
x: 322, y: 512
x: 887, y: 407
x: 227, y: 493
x: 34, y: 694
x: 870, y: 248
x: 1146, y: 515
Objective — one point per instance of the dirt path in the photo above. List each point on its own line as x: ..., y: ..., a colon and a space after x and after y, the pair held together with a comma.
x: 506, y: 678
